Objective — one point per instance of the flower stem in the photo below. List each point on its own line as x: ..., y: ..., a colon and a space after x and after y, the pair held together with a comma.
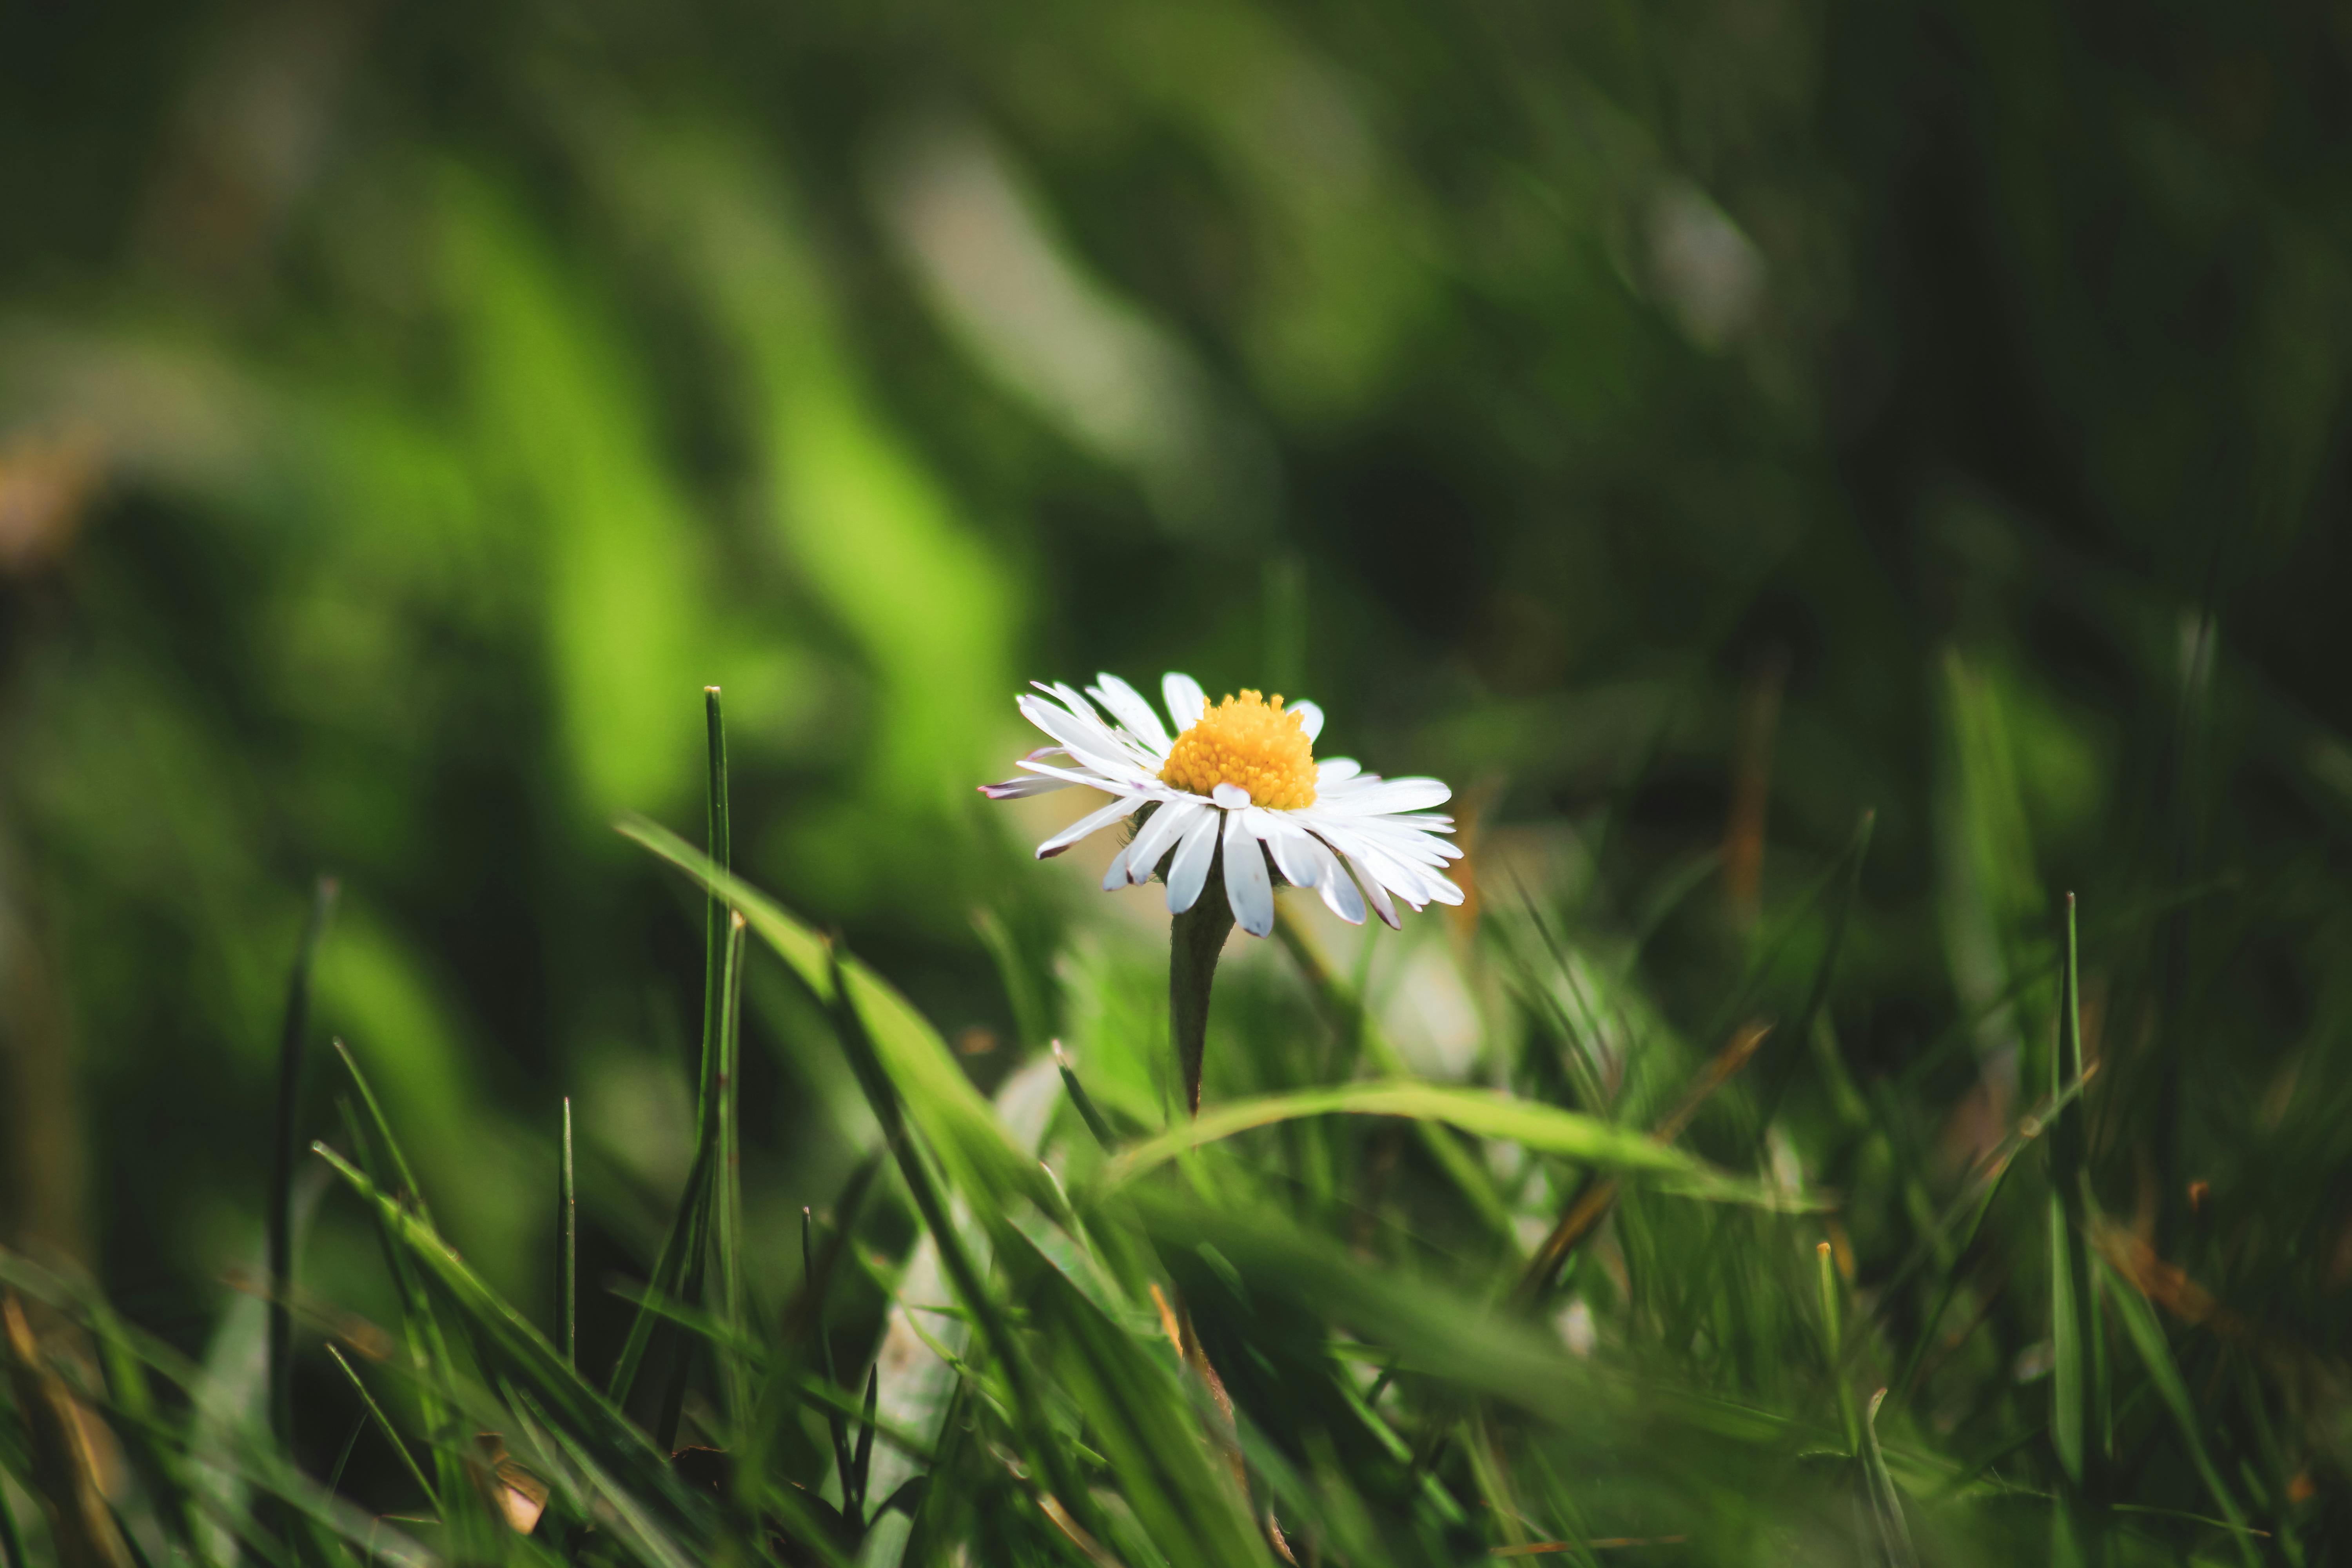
x: 1194, y: 940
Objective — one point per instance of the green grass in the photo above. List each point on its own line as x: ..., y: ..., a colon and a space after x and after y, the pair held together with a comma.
x: 1645, y: 1296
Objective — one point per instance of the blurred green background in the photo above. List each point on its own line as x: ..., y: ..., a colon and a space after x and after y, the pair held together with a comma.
x: 1716, y: 419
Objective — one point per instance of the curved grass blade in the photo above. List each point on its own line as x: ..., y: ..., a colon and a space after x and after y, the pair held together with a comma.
x: 510, y: 1343
x: 957, y: 1125
x: 1012, y: 1357
x: 1344, y: 1011
x: 1482, y: 1113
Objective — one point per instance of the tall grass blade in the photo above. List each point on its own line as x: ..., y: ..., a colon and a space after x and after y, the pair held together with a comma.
x: 1029, y: 1015
x: 391, y: 1433
x: 12, y: 1545
x: 2072, y: 1325
x: 1886, y: 1502
x: 679, y: 1269
x: 699, y: 1216
x: 958, y: 1126
x: 512, y: 1348
x: 1010, y: 1356
x: 834, y: 1422
x: 918, y: 1391
x: 727, y: 1214
x: 294, y: 1028
x: 1088, y: 1111
x: 2146, y: 1335
x: 567, y: 1265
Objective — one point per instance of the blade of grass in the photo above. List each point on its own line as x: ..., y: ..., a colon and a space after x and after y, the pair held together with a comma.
x: 391, y: 1434
x: 1834, y: 1345
x: 1479, y: 1111
x: 1347, y: 1013
x: 12, y: 1545
x: 1886, y: 1502
x: 510, y: 1347
x: 343, y: 1460
x: 1088, y: 1112
x: 1776, y: 1080
x: 1594, y: 1198
x: 64, y: 1470
x: 2146, y: 1335
x: 720, y: 945
x: 863, y: 1461
x: 677, y: 1269
x: 1019, y: 984
x: 987, y: 1313
x: 958, y: 1128
x: 292, y: 1030
x: 727, y: 1237
x: 834, y: 1421
x: 2071, y: 1328
x: 567, y: 1267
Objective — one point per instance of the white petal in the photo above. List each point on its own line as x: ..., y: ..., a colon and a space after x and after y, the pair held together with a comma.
x: 1014, y: 789
x: 1092, y: 822
x: 1186, y: 701
x: 1331, y: 879
x: 1310, y: 717
x: 1334, y: 770
x: 1128, y: 706
x: 1190, y: 870
x: 1112, y: 735
x: 1379, y: 898
x: 1068, y: 696
x: 1247, y: 887
x: 1116, y: 877
x: 1411, y: 844
x: 1127, y: 781
x: 1086, y: 739
x: 1152, y: 839
x: 1395, y: 794
x: 1288, y: 843
x: 1401, y: 878
x: 1231, y: 796
x: 1410, y: 882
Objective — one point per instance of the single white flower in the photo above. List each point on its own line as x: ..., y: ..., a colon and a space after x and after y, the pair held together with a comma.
x: 1239, y: 783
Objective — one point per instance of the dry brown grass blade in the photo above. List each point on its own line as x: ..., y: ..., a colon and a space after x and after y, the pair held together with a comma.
x: 65, y: 1467
x: 1595, y: 1199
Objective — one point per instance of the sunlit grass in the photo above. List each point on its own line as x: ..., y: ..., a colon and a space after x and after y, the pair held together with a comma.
x: 1642, y: 1293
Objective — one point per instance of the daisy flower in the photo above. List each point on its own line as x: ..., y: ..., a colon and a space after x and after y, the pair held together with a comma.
x: 1237, y: 786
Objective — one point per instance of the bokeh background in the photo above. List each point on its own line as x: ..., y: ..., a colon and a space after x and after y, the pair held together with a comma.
x: 1716, y: 420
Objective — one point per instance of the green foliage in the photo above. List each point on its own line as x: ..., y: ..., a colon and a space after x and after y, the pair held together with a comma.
x: 1263, y: 1331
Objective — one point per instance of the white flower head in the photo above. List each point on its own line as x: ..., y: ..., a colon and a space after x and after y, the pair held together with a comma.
x: 1237, y: 784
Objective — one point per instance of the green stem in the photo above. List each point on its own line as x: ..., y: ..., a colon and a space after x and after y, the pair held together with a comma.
x: 1194, y: 940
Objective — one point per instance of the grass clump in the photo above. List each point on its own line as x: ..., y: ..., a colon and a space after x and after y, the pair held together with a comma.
x: 1637, y: 1292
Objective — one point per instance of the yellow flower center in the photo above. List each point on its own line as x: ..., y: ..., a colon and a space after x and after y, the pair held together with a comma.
x: 1248, y: 741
